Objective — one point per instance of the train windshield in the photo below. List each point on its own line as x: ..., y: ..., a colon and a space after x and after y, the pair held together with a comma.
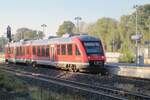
x: 93, y: 47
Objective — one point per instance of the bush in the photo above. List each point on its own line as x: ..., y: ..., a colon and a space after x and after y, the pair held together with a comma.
x: 11, y: 83
x: 127, y: 57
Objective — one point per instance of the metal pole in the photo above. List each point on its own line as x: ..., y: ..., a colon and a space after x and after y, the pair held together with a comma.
x: 136, y: 30
x: 77, y: 25
x: 2, y: 44
x: 149, y: 39
x: 78, y: 19
x: 136, y: 41
x: 43, y: 26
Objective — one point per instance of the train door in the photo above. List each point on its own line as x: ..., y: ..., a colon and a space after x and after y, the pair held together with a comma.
x: 52, y: 53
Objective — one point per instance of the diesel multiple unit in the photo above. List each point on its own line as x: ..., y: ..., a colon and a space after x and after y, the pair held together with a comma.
x: 72, y: 52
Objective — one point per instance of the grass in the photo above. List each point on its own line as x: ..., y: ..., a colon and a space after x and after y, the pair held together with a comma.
x: 38, y: 93
x: 11, y: 83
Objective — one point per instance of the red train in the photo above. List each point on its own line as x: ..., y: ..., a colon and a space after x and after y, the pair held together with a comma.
x: 79, y: 52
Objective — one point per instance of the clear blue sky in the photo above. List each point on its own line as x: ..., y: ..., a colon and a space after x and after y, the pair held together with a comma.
x: 33, y: 13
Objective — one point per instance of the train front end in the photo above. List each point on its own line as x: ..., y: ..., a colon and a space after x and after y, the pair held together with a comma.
x: 94, y: 54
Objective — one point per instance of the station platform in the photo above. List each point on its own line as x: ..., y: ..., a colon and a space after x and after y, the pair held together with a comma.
x: 129, y: 70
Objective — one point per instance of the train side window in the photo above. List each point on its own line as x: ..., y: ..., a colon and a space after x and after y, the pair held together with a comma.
x: 27, y: 50
x: 23, y: 50
x: 69, y: 49
x: 63, y: 49
x: 20, y: 51
x: 5, y: 50
x: 13, y: 50
x: 17, y: 51
x: 58, y: 49
x: 47, y: 51
x: 43, y: 51
x: 77, y: 51
x: 38, y: 53
x: 34, y: 50
x: 9, y: 51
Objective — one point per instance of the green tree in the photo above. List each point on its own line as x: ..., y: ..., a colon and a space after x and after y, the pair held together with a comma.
x: 25, y: 33
x: 40, y: 35
x: 3, y: 41
x: 107, y: 30
x: 66, y: 27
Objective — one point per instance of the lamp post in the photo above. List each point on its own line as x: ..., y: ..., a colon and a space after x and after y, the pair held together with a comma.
x: 136, y: 30
x: 77, y: 19
x: 43, y: 26
x: 149, y: 38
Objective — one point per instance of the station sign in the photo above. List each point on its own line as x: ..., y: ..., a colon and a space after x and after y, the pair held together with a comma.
x: 136, y: 37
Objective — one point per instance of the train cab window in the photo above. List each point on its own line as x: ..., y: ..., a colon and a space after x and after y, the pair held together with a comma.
x: 34, y: 50
x: 93, y: 47
x: 63, y: 49
x: 43, y: 51
x: 77, y: 50
x: 47, y: 51
x: 58, y: 49
x: 69, y: 49
x: 38, y: 53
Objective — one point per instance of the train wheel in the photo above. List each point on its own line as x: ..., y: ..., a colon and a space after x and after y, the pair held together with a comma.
x: 6, y: 61
x: 74, y: 68
x: 70, y: 69
x: 34, y: 64
x: 27, y: 63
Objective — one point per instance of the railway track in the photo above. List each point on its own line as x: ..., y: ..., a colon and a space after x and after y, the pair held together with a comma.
x: 102, y: 91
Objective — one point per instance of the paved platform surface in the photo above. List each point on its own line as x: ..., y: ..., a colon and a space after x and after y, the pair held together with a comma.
x: 128, y: 64
x: 130, y: 70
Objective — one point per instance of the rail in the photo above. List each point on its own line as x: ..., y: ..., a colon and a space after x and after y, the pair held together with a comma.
x: 103, y: 91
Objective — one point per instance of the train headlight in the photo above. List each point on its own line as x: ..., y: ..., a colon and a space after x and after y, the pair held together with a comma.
x: 103, y: 57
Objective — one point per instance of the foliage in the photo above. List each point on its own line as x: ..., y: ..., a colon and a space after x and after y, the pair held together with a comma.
x: 11, y: 83
x: 128, y: 56
x: 3, y: 41
x: 39, y: 93
x: 107, y: 30
x: 25, y: 33
x: 116, y: 35
x: 66, y: 27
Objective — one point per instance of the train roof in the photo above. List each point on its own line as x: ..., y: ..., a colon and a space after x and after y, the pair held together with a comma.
x: 55, y: 40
